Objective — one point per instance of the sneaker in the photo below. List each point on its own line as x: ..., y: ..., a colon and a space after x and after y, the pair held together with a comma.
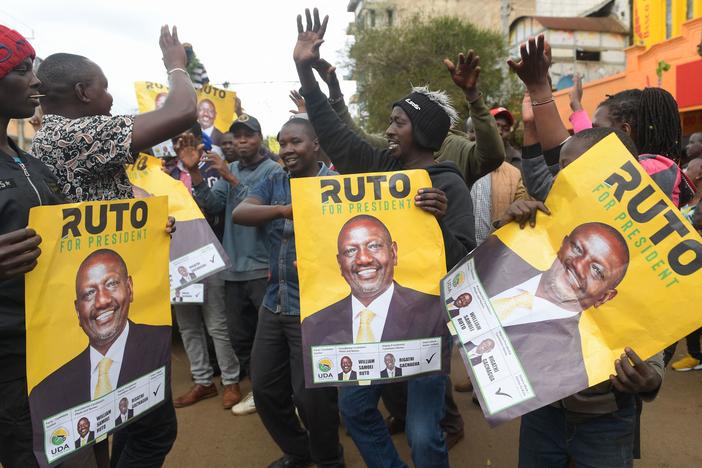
x: 231, y: 395
x: 687, y: 363
x: 196, y: 393
x: 245, y: 406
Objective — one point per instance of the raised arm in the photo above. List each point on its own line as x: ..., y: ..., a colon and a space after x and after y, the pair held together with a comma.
x: 179, y: 111
x: 488, y: 152
x: 532, y: 69
x: 349, y: 152
x: 537, y: 177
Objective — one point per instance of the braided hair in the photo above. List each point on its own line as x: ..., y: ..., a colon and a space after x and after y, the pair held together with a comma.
x: 654, y: 118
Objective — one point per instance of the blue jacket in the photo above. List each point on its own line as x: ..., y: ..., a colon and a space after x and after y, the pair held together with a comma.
x: 283, y: 291
x: 244, y: 244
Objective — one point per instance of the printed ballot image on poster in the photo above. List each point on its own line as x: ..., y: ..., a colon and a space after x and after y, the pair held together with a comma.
x: 542, y: 313
x: 196, y: 253
x: 98, y: 321
x: 369, y: 263
x: 215, y: 111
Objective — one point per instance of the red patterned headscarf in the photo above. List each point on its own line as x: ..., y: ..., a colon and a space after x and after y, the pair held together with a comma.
x: 14, y: 48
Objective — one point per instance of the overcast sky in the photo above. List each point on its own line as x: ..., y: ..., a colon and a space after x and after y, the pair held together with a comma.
x: 248, y: 43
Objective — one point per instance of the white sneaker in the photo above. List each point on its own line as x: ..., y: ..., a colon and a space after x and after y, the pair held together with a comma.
x: 245, y: 406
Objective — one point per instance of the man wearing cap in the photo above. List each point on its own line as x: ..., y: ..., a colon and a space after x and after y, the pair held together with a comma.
x: 25, y: 183
x: 245, y: 281
x: 419, y: 124
x: 505, y: 122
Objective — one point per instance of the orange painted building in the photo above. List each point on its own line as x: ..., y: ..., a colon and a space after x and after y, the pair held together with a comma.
x: 683, y: 80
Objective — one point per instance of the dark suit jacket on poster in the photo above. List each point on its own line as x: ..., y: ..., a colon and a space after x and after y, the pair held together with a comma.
x: 147, y: 348
x: 549, y: 351
x: 91, y: 437
x: 353, y: 375
x: 398, y: 372
x: 130, y: 415
x: 411, y: 315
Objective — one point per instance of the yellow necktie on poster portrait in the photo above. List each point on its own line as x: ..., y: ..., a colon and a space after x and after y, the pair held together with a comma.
x: 505, y: 306
x: 103, y: 386
x: 365, y: 331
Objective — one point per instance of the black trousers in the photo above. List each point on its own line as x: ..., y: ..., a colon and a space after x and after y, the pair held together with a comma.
x: 243, y: 300
x: 394, y: 398
x: 693, y: 344
x: 279, y: 386
x: 146, y: 442
x: 15, y: 426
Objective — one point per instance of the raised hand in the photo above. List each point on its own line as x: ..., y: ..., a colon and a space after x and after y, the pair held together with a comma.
x: 327, y: 72
x: 171, y: 48
x: 309, y: 39
x: 299, y: 102
x: 576, y: 94
x: 533, y: 67
x: 465, y: 72
x: 188, y: 152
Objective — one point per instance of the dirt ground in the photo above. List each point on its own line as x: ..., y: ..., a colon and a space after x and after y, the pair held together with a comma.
x: 209, y: 436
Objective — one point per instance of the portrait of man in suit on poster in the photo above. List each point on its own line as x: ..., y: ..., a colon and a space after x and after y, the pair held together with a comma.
x: 390, y: 369
x: 347, y: 373
x: 85, y: 435
x: 455, y: 305
x: 540, y: 310
x: 475, y: 352
x: 119, y: 350
x: 377, y: 308
x: 125, y: 413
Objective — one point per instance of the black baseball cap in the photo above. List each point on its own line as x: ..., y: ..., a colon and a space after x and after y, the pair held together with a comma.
x: 248, y: 121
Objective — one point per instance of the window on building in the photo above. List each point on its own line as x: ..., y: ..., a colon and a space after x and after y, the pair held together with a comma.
x: 391, y: 18
x: 668, y: 18
x: 372, y: 18
x: 587, y: 55
x: 690, y: 11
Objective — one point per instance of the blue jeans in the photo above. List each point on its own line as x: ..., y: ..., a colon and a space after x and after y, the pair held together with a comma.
x: 548, y: 440
x: 425, y: 409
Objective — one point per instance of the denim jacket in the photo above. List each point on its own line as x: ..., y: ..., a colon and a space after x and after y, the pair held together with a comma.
x: 283, y: 291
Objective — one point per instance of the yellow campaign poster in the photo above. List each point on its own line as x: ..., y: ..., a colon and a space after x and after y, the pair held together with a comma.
x: 196, y: 253
x: 369, y: 263
x: 98, y: 321
x: 215, y: 109
x: 543, y: 313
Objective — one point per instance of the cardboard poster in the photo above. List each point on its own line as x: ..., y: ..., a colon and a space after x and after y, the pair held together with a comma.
x: 98, y: 321
x: 196, y: 253
x: 215, y: 111
x: 369, y: 264
x: 543, y: 313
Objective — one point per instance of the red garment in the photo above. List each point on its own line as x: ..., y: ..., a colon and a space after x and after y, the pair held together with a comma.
x: 14, y: 48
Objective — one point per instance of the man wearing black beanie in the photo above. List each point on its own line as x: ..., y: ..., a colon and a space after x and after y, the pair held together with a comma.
x: 419, y: 124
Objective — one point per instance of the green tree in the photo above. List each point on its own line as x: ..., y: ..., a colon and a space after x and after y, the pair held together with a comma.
x: 387, y: 62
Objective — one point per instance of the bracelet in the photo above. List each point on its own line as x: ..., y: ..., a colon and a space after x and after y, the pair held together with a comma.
x: 534, y: 104
x: 178, y: 69
x: 336, y: 100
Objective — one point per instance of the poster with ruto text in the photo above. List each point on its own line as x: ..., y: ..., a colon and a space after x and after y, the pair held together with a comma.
x: 98, y: 321
x: 543, y: 313
x: 369, y: 263
x: 215, y: 111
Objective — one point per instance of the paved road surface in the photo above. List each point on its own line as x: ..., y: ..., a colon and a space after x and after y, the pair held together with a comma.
x: 209, y: 436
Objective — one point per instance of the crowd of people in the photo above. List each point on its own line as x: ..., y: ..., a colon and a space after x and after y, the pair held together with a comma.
x: 249, y: 323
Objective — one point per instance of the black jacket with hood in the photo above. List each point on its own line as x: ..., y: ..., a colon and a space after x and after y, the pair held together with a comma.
x: 21, y: 188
